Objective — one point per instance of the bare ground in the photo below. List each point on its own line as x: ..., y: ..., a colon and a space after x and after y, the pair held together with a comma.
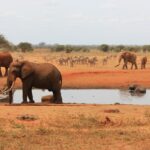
x: 75, y: 127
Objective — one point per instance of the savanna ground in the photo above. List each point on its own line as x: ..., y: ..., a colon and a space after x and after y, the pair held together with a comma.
x: 75, y: 127
x: 79, y: 127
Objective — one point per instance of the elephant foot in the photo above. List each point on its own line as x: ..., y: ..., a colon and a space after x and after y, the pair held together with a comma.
x: 24, y: 102
x: 32, y: 101
x: 58, y: 101
x: 58, y: 98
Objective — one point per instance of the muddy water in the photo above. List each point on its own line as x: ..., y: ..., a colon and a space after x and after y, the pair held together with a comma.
x: 91, y: 96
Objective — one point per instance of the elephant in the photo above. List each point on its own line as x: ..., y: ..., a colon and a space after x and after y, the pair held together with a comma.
x: 135, y: 89
x: 5, y: 61
x: 42, y: 76
x: 128, y: 57
x: 143, y: 62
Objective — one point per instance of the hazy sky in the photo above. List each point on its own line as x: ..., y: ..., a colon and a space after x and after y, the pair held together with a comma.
x: 76, y: 21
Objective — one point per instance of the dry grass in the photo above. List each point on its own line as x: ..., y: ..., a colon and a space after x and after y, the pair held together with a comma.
x: 75, y: 127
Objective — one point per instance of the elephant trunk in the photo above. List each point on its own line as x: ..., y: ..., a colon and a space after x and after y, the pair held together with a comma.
x: 10, y: 85
x: 120, y: 58
x: 9, y: 90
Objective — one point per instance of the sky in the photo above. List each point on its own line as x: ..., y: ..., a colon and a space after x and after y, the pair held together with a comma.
x: 76, y: 21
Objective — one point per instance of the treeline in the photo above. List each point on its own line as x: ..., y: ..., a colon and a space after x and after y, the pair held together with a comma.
x: 26, y: 46
x: 87, y: 48
x: 22, y: 46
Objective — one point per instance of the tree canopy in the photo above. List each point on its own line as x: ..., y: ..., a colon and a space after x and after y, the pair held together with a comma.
x: 25, y: 46
x: 4, y: 43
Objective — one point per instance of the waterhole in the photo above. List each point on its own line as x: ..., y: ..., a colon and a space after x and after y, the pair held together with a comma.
x: 92, y: 96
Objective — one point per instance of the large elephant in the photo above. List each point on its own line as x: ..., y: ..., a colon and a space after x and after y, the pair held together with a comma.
x: 128, y: 57
x: 42, y: 76
x: 5, y: 60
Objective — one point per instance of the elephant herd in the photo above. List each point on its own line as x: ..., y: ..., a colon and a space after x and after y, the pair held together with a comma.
x: 42, y: 76
x: 131, y: 58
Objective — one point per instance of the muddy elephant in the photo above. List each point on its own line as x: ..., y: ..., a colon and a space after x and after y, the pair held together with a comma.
x: 42, y: 76
x: 128, y: 57
x: 136, y: 90
x: 5, y: 60
x: 143, y: 62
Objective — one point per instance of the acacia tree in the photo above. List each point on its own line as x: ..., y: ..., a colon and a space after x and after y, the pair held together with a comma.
x: 25, y: 46
x: 4, y: 43
x: 104, y: 47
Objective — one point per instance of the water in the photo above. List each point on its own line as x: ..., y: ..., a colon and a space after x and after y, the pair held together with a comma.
x: 91, y: 96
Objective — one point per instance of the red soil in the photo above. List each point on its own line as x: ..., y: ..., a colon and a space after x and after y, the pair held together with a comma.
x: 107, y: 79
x: 100, y: 79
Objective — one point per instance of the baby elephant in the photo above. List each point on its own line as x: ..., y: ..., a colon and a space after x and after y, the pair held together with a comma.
x: 42, y: 76
x: 143, y: 62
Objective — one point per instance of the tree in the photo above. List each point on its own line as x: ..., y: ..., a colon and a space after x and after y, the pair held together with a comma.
x: 120, y: 47
x: 25, y: 46
x: 104, y: 48
x: 4, y: 43
x: 42, y: 45
x: 146, y: 48
x: 68, y: 48
x: 59, y: 48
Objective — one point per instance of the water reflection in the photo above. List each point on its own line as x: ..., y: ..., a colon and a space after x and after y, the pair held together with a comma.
x: 92, y: 96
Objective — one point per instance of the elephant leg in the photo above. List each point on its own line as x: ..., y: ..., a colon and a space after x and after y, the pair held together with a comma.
x: 126, y: 66
x: 26, y: 89
x: 10, y: 97
x: 123, y: 67
x: 136, y: 66
x: 0, y: 72
x: 30, y: 96
x: 25, y: 94
x: 132, y: 66
x: 57, y: 97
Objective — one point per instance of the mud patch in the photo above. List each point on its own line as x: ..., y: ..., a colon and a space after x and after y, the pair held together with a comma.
x: 27, y: 117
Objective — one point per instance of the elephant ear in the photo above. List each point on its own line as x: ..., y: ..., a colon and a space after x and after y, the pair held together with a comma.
x: 26, y: 70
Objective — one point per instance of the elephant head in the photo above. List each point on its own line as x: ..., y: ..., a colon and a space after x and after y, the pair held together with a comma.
x: 21, y: 69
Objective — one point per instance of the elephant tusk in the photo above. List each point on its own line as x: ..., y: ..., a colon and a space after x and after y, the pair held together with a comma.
x: 2, y: 91
x: 5, y: 91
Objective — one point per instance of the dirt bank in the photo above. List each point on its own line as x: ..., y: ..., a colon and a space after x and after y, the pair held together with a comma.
x: 100, y: 79
x: 107, y: 79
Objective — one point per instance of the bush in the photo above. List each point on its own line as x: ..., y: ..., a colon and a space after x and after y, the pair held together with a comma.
x: 104, y: 48
x: 4, y: 43
x: 58, y: 48
x: 24, y: 46
x: 146, y: 48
